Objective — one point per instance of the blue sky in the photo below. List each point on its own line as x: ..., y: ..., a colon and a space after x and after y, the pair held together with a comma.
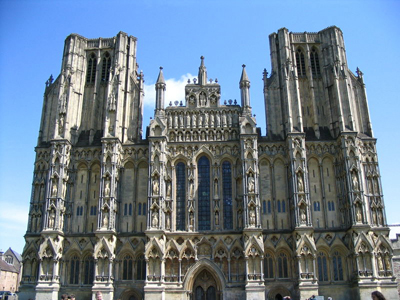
x: 174, y: 34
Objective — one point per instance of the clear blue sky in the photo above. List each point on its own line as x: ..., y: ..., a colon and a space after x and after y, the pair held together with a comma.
x: 174, y: 34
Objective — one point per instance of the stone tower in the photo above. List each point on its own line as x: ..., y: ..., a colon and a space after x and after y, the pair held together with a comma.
x: 204, y: 206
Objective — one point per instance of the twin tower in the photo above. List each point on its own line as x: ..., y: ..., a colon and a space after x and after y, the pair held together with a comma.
x: 204, y: 207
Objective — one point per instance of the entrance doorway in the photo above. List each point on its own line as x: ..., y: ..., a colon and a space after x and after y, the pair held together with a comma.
x: 205, y: 287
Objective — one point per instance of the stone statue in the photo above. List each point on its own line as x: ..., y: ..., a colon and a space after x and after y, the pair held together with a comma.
x: 358, y: 213
x: 380, y: 217
x: 215, y: 188
x: 387, y: 262
x: 54, y: 188
x: 105, y: 219
x: 52, y: 218
x: 300, y: 183
x: 252, y: 217
x: 355, y: 181
x: 191, y: 219
x: 169, y: 189
x: 168, y: 222
x: 191, y: 189
x: 240, y: 219
x: 154, y: 219
x: 250, y: 183
x: 380, y: 263
x: 216, y: 218
x: 107, y: 188
x: 156, y: 188
x: 303, y: 216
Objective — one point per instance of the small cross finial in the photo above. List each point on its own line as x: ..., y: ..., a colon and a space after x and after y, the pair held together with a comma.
x: 161, y: 68
x: 244, y: 66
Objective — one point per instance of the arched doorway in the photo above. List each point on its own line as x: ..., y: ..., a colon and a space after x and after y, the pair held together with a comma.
x: 205, y: 287
x: 278, y: 297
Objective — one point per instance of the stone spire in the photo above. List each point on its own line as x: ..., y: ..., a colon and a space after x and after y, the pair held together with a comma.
x: 160, y: 91
x: 202, y: 72
x: 244, y: 85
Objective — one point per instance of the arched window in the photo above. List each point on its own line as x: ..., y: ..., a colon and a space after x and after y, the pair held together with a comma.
x: 74, y: 270
x: 91, y: 69
x: 105, y: 70
x: 204, y: 193
x: 300, y: 62
x: 279, y: 206
x: 337, y: 267
x: 314, y: 62
x: 282, y: 265
x: 227, y: 194
x: 130, y: 209
x: 264, y: 207
x: 140, y: 268
x: 283, y: 206
x: 125, y: 209
x: 140, y: 209
x: 144, y: 209
x: 269, y: 206
x: 127, y: 267
x: 88, y: 275
x: 268, y: 266
x: 180, y: 196
x: 322, y: 267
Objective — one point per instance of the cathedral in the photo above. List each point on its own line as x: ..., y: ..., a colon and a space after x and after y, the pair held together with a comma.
x: 203, y: 206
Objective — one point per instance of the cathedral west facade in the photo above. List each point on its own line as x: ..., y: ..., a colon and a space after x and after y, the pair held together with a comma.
x: 205, y: 207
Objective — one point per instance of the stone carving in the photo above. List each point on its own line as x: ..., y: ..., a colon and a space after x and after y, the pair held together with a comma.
x: 154, y: 219
x: 169, y: 189
x: 358, y: 213
x: 252, y: 217
x: 156, y: 188
x: 105, y: 219
x: 250, y: 183
x: 52, y: 218
x: 300, y: 183
x: 107, y: 187
x: 355, y: 181
x: 380, y: 263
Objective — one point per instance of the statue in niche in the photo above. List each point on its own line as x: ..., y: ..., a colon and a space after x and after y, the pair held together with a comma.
x: 195, y: 136
x: 229, y: 118
x: 223, y: 119
x: 105, y: 219
x: 217, y: 120
x: 387, y: 262
x: 240, y: 219
x: 169, y: 189
x: 300, y: 183
x: 211, y: 120
x: 176, y: 121
x: 250, y: 183
x: 203, y: 99
x: 205, y: 120
x: 370, y: 186
x: 252, y: 216
x: 376, y: 186
x: 168, y: 221
x: 380, y: 263
x: 380, y: 217
x: 191, y: 189
x: 54, y: 188
x: 216, y: 218
x: 191, y: 219
x: 61, y: 124
x: 154, y: 219
x: 169, y: 122
x: 156, y: 188
x: 303, y: 216
x: 107, y: 187
x: 215, y: 188
x: 374, y: 218
x: 355, y: 181
x: 52, y: 218
x: 203, y: 136
x: 358, y: 213
x: 219, y: 135
x: 194, y: 120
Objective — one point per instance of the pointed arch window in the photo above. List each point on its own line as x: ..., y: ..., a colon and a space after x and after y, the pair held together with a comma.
x: 180, y: 196
x: 91, y: 69
x: 268, y: 266
x: 88, y: 275
x: 74, y: 270
x: 203, y: 168
x: 227, y: 194
x: 337, y: 267
x: 314, y: 59
x: 322, y: 267
x: 105, y: 69
x: 300, y: 63
x: 140, y: 268
x: 283, y: 265
x: 127, y: 267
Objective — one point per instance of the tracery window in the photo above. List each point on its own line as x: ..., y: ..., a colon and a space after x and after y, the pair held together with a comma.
x: 140, y: 209
x: 127, y: 267
x: 204, y: 193
x: 91, y: 69
x: 279, y: 206
x: 74, y: 270
x: 180, y: 196
x: 140, y: 268
x: 282, y: 265
x: 105, y: 70
x: 268, y: 266
x: 227, y: 194
x: 315, y: 69
x: 88, y: 275
x: 337, y: 267
x: 264, y: 207
x: 322, y: 267
x: 300, y: 62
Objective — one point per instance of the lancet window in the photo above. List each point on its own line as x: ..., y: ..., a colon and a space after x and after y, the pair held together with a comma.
x: 105, y: 69
x: 300, y: 62
x: 315, y: 69
x: 204, y: 193
x: 74, y: 270
x: 337, y: 267
x: 268, y: 266
x: 91, y: 69
x: 283, y: 265
x: 88, y: 275
x: 180, y: 196
x: 322, y: 267
x: 127, y: 267
x: 140, y: 268
x: 227, y: 194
